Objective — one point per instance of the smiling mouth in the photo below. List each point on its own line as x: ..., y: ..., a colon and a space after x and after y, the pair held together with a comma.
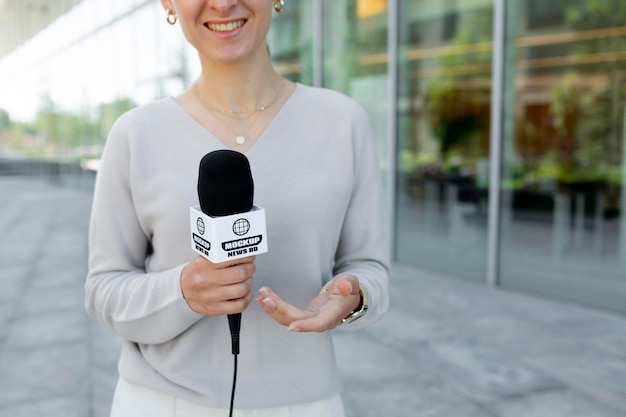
x: 225, y: 27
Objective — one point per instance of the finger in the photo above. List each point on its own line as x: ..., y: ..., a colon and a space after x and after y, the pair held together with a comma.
x: 281, y: 311
x: 206, y: 264
x: 237, y: 305
x: 216, y: 289
x: 228, y: 264
x: 346, y: 285
x: 274, y: 305
x: 238, y: 290
x: 343, y: 287
x: 237, y: 274
x: 323, y: 321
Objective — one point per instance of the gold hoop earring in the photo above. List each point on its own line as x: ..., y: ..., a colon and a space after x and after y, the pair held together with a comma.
x: 171, y: 17
x: 279, y: 5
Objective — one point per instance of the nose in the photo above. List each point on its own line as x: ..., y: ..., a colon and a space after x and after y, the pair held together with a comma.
x: 222, y: 5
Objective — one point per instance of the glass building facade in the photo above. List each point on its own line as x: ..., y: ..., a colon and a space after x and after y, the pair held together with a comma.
x: 500, y: 124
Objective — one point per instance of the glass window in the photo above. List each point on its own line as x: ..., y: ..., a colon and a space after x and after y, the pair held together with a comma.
x: 443, y: 144
x: 355, y: 61
x: 291, y: 41
x: 563, y: 231
x: 61, y: 91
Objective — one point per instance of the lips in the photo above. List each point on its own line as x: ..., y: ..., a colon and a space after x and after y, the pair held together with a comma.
x: 225, y: 27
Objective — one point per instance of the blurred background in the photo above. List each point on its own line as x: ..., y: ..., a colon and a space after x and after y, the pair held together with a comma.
x: 499, y: 124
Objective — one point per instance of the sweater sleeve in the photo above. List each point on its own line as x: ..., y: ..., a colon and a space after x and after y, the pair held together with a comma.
x: 142, y: 307
x: 363, y: 249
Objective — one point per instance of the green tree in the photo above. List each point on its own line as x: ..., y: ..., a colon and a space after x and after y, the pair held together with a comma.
x: 458, y: 100
x: 588, y: 104
x: 5, y: 121
x: 109, y: 113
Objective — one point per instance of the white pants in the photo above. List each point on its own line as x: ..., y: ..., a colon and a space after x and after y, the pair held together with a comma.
x: 132, y: 400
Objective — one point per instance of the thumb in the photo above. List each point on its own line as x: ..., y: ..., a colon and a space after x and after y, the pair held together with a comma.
x: 345, y: 286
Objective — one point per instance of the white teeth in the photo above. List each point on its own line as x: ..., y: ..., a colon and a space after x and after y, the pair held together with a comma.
x: 225, y: 27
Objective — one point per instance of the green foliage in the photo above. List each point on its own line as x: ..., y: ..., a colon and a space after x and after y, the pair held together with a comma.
x: 61, y: 134
x: 475, y: 29
x: 458, y: 106
x: 5, y: 121
x: 109, y: 112
x: 594, y: 14
x: 574, y: 136
x: 590, y: 15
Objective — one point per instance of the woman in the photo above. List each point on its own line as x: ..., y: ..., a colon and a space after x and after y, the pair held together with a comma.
x: 312, y: 156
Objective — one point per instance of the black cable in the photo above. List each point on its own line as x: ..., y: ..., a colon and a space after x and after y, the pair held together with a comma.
x: 232, y: 394
x: 234, y: 323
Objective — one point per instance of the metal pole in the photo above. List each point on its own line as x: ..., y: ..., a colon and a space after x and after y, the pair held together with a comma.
x: 318, y: 42
x: 392, y: 125
x: 495, y: 142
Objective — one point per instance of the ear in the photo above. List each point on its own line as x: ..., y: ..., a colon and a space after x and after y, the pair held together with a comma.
x: 167, y: 4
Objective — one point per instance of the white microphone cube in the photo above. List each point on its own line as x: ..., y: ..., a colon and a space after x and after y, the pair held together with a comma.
x: 226, y: 238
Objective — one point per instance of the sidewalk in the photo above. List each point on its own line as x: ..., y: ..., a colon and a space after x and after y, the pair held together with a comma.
x: 447, y: 348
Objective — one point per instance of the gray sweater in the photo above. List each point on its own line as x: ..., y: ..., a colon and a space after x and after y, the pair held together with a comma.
x: 315, y: 173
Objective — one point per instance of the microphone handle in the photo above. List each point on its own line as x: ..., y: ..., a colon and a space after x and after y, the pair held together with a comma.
x: 234, y: 323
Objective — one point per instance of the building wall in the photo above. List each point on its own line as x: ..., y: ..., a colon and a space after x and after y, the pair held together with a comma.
x: 21, y: 19
x: 499, y: 124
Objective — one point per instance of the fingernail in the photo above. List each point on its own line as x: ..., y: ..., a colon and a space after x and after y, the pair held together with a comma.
x: 264, y: 292
x: 342, y: 284
x: 293, y: 329
x: 269, y: 303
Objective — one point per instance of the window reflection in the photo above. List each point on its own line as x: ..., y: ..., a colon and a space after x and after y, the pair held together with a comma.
x: 355, y: 61
x: 444, y: 136
x: 291, y: 43
x: 563, y: 232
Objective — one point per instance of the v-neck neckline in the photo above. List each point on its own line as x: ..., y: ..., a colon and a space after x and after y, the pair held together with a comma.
x: 202, y: 129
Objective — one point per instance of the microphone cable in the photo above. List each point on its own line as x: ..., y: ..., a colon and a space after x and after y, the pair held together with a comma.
x: 232, y: 393
x: 234, y: 324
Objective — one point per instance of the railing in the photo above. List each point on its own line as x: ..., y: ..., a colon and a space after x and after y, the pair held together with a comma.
x: 63, y: 173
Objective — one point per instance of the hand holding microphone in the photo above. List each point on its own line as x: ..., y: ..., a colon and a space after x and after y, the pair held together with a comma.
x: 220, y: 281
x: 218, y: 288
x: 225, y: 230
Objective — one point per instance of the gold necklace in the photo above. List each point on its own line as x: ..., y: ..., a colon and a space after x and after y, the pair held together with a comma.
x: 207, y: 106
x: 240, y: 138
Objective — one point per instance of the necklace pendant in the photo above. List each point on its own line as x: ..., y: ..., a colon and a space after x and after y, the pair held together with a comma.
x: 240, y: 139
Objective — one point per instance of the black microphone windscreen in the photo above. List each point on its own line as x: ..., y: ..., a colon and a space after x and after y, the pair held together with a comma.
x: 225, y: 183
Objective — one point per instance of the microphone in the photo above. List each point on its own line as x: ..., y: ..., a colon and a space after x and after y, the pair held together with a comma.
x: 228, y: 226
x: 225, y: 184
x: 225, y: 187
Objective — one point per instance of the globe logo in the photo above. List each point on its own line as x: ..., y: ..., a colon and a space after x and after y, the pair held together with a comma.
x: 200, y: 225
x: 241, y: 227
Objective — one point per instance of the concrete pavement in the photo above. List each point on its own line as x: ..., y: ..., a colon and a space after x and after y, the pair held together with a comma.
x: 447, y: 348
x: 54, y: 360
